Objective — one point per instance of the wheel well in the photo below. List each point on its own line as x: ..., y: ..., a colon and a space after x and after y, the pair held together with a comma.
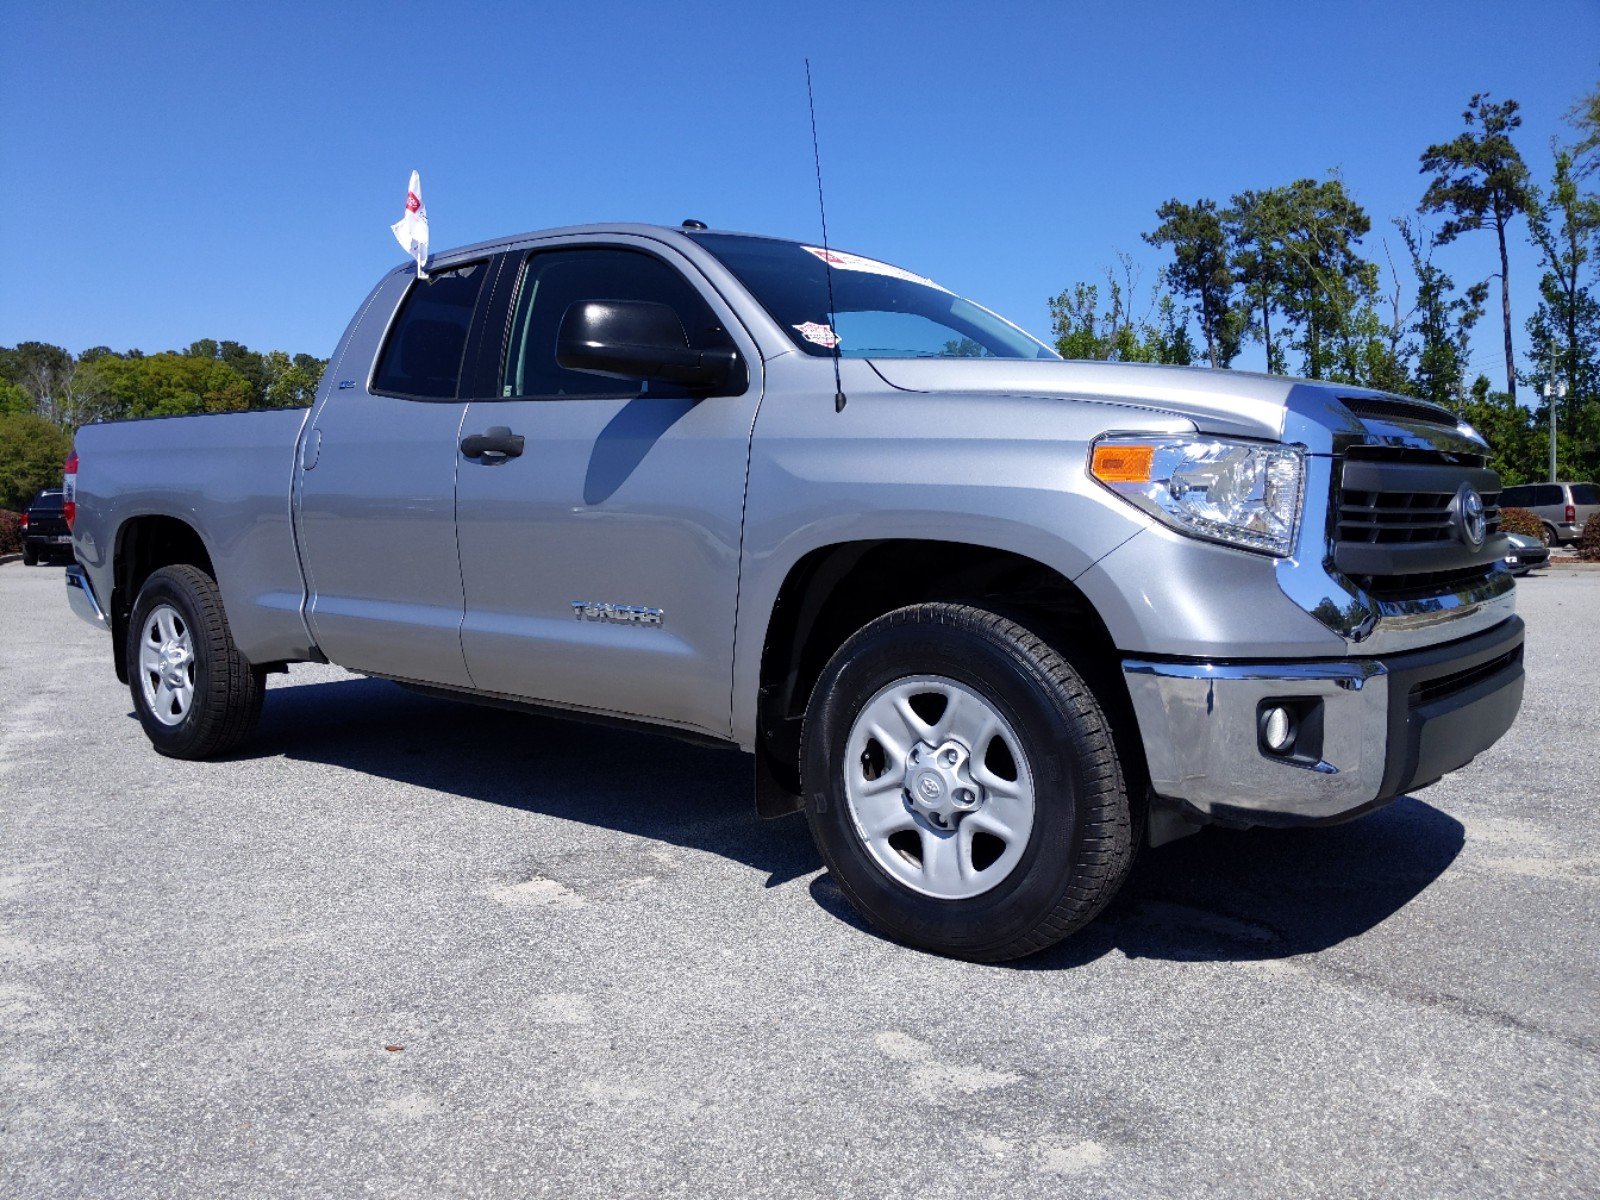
x: 834, y: 591
x: 144, y: 546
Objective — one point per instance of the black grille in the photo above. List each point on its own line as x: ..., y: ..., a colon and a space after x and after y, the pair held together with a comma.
x: 1459, y: 681
x: 1387, y: 518
x: 1395, y: 533
x: 1400, y: 410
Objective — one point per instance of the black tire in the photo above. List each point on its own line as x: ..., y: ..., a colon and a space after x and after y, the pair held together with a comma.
x: 1550, y: 539
x: 30, y: 555
x: 1081, y: 844
x: 227, y: 690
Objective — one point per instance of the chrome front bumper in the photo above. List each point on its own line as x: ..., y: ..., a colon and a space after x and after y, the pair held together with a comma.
x: 1382, y: 726
x: 81, y: 596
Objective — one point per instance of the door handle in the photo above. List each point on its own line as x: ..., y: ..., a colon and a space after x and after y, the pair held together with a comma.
x: 493, y: 445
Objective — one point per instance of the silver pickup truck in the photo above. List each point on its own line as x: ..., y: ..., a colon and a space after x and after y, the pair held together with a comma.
x: 992, y: 620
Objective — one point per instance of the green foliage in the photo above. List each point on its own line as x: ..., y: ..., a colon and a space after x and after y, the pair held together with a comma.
x: 165, y: 385
x: 1084, y: 329
x: 1441, y: 322
x: 1520, y: 520
x: 14, y: 398
x: 1202, y: 273
x: 32, y: 450
x: 1514, y: 443
x: 1479, y: 181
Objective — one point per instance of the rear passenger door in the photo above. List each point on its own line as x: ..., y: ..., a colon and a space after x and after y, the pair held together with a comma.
x: 377, y: 480
x: 623, y: 494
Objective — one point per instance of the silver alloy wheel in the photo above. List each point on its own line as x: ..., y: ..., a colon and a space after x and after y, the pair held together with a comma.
x: 166, y: 665
x: 939, y: 787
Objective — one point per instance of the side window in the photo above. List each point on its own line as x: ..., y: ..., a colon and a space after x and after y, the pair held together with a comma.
x: 1516, y: 497
x: 1548, y: 493
x: 554, y: 280
x: 423, y: 354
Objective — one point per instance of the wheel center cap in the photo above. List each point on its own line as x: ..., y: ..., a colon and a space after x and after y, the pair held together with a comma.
x: 939, y: 782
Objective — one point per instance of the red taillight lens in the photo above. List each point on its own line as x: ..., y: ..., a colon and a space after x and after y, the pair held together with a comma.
x: 69, y: 489
x: 24, y: 522
x: 1572, y: 515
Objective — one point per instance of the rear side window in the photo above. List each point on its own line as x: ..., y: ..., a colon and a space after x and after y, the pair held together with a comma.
x: 429, y: 338
x: 1548, y: 493
x: 1585, y: 493
x: 554, y: 280
x: 1516, y: 497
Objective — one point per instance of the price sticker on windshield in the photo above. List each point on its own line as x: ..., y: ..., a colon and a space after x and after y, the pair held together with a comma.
x: 840, y: 261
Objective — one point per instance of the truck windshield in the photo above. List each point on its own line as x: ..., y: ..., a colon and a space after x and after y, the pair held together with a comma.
x: 878, y: 311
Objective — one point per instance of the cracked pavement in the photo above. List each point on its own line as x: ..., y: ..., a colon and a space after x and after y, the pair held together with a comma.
x: 411, y: 948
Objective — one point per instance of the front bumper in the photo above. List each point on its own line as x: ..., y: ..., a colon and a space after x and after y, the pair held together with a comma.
x: 1369, y: 729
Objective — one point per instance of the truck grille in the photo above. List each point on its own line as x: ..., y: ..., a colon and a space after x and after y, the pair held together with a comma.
x: 1397, y: 534
x: 1406, y: 516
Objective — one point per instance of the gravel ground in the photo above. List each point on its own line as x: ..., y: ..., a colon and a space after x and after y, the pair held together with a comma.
x: 410, y: 948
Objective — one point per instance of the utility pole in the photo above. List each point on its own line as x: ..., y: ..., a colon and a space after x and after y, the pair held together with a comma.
x: 1553, y: 392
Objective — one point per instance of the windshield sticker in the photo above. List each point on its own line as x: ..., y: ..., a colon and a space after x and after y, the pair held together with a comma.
x: 820, y: 335
x: 840, y: 261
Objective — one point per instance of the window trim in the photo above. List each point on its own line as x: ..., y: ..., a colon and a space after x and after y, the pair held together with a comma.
x: 478, y: 306
x: 525, y: 254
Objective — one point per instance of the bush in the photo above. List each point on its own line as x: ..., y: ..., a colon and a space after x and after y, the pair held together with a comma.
x: 1520, y: 520
x: 1589, y: 541
x: 10, y: 532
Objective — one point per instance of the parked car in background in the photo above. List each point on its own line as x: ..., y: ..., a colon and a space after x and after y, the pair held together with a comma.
x: 1525, y: 553
x: 1563, y: 507
x: 45, y: 536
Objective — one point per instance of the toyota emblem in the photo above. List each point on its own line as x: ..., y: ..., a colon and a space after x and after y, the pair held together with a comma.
x: 1470, y: 523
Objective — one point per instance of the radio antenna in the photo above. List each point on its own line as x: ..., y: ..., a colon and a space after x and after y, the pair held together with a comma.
x: 827, y: 254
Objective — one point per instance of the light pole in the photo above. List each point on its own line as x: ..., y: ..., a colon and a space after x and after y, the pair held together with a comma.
x: 1553, y: 392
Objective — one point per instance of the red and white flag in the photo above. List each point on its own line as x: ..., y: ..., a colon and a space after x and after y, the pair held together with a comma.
x: 411, y: 230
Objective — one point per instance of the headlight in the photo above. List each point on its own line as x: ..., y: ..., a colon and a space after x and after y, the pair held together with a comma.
x: 1246, y: 494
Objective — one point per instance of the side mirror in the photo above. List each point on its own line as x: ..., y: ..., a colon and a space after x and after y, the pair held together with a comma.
x: 637, y: 339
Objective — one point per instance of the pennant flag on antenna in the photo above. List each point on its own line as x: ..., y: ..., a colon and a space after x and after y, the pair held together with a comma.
x: 411, y: 230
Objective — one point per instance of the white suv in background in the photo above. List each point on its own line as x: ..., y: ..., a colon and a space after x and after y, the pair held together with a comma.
x: 1563, y: 507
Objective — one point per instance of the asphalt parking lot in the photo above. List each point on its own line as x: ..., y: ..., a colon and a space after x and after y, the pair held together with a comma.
x: 410, y: 948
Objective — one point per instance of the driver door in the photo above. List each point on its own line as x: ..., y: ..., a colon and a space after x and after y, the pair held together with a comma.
x: 624, y: 495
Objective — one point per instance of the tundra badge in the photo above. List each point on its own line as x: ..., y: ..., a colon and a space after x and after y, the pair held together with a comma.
x: 621, y: 614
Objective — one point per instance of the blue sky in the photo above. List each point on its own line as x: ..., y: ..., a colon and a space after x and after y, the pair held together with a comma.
x: 171, y: 172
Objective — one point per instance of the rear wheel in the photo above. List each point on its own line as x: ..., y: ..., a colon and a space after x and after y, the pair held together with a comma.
x: 962, y: 784
x: 1549, y: 536
x: 30, y: 555
x: 195, y: 694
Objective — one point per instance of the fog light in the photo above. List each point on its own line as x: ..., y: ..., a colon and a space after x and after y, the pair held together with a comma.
x: 1277, y: 730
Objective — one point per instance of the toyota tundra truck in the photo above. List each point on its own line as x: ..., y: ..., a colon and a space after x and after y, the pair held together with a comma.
x: 992, y: 620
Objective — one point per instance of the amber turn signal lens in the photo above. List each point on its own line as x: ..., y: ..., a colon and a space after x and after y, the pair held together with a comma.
x: 1122, y: 464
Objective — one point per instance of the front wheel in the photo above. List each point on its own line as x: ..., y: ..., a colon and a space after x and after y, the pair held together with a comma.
x: 195, y: 694
x: 963, y: 787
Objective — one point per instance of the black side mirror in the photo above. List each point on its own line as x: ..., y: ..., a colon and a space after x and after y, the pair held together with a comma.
x: 637, y: 339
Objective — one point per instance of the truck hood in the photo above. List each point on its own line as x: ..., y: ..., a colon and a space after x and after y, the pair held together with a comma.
x: 1219, y: 402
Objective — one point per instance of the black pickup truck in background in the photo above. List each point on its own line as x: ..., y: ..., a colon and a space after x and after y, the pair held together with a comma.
x: 45, y: 536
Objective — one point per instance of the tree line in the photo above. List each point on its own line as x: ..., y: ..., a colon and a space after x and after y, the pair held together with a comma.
x: 1284, y: 268
x: 47, y: 392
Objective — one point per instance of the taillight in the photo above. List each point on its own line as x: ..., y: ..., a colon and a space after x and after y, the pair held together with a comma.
x: 1572, y: 514
x: 69, y: 489
x: 24, y: 522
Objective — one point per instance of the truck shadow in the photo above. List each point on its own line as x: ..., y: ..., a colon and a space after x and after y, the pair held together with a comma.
x: 1221, y: 895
